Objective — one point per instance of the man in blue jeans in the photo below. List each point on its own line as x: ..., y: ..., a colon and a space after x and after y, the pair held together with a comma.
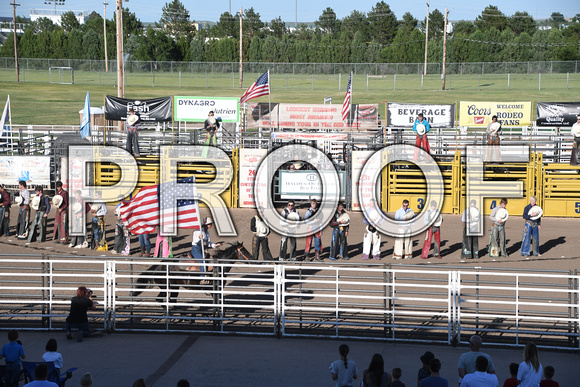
x: 4, y: 211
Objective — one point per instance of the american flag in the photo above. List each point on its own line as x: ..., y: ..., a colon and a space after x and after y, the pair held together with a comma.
x: 346, y: 103
x: 142, y: 214
x: 259, y: 88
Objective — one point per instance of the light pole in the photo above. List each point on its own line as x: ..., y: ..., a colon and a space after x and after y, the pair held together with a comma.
x: 426, y: 38
x: 105, y: 35
x: 14, y: 5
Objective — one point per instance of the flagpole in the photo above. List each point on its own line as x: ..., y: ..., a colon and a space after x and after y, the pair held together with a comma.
x: 350, y: 112
x: 270, y: 101
x: 10, y: 114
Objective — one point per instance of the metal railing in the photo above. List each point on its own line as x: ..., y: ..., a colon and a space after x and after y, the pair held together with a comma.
x: 370, y: 302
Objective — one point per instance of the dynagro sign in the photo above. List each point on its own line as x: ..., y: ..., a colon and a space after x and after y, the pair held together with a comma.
x: 196, y: 109
x: 478, y: 114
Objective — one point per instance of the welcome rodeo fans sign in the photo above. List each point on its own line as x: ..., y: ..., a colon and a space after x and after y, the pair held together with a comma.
x: 478, y: 114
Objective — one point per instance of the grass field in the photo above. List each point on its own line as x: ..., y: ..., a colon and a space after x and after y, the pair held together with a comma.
x: 35, y: 101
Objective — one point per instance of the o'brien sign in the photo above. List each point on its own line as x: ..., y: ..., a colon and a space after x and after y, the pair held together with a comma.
x: 170, y: 191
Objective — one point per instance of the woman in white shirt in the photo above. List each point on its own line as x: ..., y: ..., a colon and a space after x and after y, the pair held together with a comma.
x: 51, y: 355
x: 530, y: 370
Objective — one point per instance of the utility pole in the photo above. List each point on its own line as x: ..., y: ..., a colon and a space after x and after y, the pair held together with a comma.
x: 120, y: 67
x: 241, y: 70
x: 296, y: 14
x: 105, y: 35
x: 14, y: 5
x: 444, y: 48
x: 426, y: 38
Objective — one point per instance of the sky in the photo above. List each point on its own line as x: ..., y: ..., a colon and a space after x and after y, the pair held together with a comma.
x: 308, y: 11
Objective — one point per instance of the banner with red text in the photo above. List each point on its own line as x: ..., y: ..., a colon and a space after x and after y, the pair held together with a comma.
x: 311, y: 116
x: 250, y: 159
x: 478, y: 114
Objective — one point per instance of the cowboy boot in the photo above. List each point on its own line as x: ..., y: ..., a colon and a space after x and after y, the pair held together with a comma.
x: 317, y: 255
x: 142, y: 251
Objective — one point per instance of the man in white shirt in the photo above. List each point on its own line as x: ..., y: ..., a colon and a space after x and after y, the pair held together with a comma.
x: 480, y: 378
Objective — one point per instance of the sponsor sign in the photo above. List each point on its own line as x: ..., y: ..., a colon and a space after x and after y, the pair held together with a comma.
x: 305, y: 185
x: 479, y: 114
x: 405, y: 114
x: 359, y: 159
x: 34, y: 170
x: 249, y: 161
x: 312, y: 116
x: 149, y: 110
x: 196, y: 109
x: 557, y: 113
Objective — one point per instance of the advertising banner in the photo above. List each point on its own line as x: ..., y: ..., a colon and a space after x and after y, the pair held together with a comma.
x: 359, y: 159
x: 405, y: 114
x: 196, y: 109
x: 304, y: 185
x: 312, y: 116
x: 149, y: 110
x: 478, y: 114
x: 249, y: 161
x: 34, y: 170
x: 557, y: 113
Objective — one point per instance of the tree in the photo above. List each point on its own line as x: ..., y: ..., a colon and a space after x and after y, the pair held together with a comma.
x: 408, y: 24
x: 74, y: 42
x: 175, y: 20
x: 251, y: 23
x: 491, y: 17
x: 383, y: 23
x: 436, y: 24
x: 92, y: 45
x: 69, y: 22
x: 227, y: 26
x: 58, y: 44
x: 373, y: 52
x: 556, y: 19
x: 463, y: 28
x: 42, y: 24
x: 197, y: 48
x: 327, y: 22
x: 270, y: 49
x: 356, y: 22
x: 131, y: 25
x: 278, y: 27
x: 358, y: 48
x: 522, y: 22
x: 155, y: 45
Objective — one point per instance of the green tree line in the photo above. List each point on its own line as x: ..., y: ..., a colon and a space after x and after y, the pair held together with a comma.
x: 376, y: 36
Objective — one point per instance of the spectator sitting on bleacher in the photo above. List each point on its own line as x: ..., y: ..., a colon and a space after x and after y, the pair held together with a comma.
x: 51, y: 356
x: 40, y: 376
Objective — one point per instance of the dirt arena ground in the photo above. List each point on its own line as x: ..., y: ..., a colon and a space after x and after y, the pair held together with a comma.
x: 559, y: 243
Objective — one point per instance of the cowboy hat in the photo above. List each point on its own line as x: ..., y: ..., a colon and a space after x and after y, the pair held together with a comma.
x: 408, y: 215
x: 438, y: 221
x: 207, y: 221
x: 502, y: 214
x: 576, y: 130
x: 57, y: 201
x: 77, y: 207
x: 494, y: 127
x: 344, y: 217
x: 96, y: 207
x: 293, y: 216
x: 535, y: 213
x: 18, y: 200
x: 35, y: 203
x: 420, y: 128
x: 474, y: 214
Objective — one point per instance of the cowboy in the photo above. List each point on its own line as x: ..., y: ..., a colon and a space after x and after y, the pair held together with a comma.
x: 133, y: 123
x: 211, y: 124
x: 260, y: 239
x: 200, y: 241
x: 24, y: 212
x: 433, y: 218
x: 4, y: 211
x: 404, y: 240
x: 421, y: 127
x: 340, y: 224
x: 41, y: 203
x: 492, y: 133
x: 470, y: 217
x: 531, y: 234
x: 289, y: 213
x: 60, y: 202
x: 99, y: 210
x: 498, y: 216
x: 371, y: 235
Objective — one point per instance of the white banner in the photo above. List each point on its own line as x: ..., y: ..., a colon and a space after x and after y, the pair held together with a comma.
x: 359, y: 159
x: 303, y: 185
x: 249, y: 161
x: 197, y: 108
x: 310, y: 136
x: 34, y: 170
x: 405, y: 114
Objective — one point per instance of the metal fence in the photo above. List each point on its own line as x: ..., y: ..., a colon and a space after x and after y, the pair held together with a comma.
x: 370, y: 302
x: 131, y: 66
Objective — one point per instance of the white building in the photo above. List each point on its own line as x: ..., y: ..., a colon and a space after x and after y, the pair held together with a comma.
x: 55, y: 15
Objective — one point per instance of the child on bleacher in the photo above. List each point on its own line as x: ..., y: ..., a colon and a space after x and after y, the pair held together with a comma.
x: 13, y: 353
x: 397, y: 373
x: 549, y: 374
x: 513, y: 380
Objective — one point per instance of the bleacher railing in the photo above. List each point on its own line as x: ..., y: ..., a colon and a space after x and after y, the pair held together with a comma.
x: 368, y: 302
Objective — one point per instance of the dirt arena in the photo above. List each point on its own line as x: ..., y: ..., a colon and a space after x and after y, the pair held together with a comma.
x: 559, y: 242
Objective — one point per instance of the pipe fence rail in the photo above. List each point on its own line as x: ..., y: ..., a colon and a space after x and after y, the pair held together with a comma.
x: 372, y: 302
